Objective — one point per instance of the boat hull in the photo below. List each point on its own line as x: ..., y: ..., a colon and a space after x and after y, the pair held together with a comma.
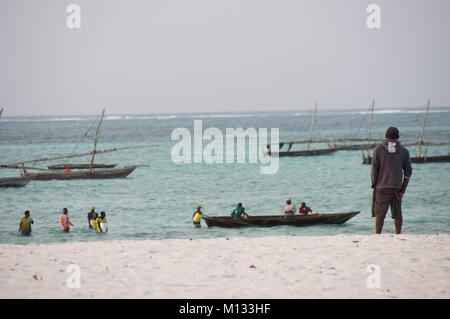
x: 96, y: 174
x: 304, y: 152
x: 277, y: 220
x: 355, y: 147
x: 20, y: 181
x: 80, y: 166
x: 418, y: 160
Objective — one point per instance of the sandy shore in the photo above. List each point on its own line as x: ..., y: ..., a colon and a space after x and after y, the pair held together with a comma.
x: 406, y: 266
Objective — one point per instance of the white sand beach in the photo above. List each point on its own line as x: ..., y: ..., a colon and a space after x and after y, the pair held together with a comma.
x: 409, y: 266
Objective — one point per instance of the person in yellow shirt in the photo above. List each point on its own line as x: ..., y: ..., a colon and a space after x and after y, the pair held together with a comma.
x: 197, y: 217
x: 100, y: 223
x: 25, y: 224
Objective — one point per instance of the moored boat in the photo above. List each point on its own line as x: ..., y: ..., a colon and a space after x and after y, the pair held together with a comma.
x: 19, y: 181
x: 278, y: 220
x: 85, y: 174
x: 80, y: 166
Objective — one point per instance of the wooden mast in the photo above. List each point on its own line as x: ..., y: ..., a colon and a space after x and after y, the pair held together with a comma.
x: 81, y: 154
x: 1, y: 111
x: 423, y: 127
x: 95, y: 141
x: 370, y: 121
x: 312, y: 125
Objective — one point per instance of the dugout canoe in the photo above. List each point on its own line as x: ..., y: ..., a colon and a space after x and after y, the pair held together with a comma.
x: 277, y: 220
x: 416, y: 159
x: 80, y: 166
x: 85, y: 174
x: 313, y: 152
x: 19, y: 181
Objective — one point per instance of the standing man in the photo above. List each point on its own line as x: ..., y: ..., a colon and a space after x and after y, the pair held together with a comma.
x: 391, y: 170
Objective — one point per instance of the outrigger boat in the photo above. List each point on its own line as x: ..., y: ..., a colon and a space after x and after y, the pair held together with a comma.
x: 419, y: 159
x: 308, y: 151
x: 19, y: 181
x: 80, y: 166
x: 277, y: 220
x: 89, y: 171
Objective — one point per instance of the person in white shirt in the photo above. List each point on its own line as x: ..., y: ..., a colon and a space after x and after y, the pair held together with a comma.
x: 289, y: 209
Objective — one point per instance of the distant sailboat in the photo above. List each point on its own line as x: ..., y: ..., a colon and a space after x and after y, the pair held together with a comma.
x: 89, y: 172
x: 420, y: 159
x: 308, y: 151
x: 369, y: 145
x: 19, y: 181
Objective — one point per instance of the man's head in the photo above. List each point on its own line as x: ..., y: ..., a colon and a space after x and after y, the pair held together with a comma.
x: 65, y: 210
x: 288, y: 201
x: 102, y: 214
x: 27, y: 213
x: 303, y: 204
x: 239, y: 205
x: 198, y: 208
x: 392, y: 133
x: 92, y: 208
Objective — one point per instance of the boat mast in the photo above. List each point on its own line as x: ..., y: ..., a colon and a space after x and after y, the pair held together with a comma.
x: 370, y: 121
x: 1, y: 111
x: 312, y: 125
x: 80, y: 155
x: 95, y: 142
x: 423, y: 127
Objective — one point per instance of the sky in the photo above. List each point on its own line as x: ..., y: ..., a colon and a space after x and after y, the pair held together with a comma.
x: 171, y: 56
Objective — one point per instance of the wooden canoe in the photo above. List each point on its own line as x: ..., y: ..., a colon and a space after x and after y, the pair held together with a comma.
x: 80, y: 166
x: 323, y: 151
x: 355, y: 147
x: 85, y: 174
x: 19, y: 181
x: 277, y: 220
x: 417, y: 159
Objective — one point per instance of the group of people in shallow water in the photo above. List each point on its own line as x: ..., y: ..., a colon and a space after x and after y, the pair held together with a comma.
x: 95, y: 221
x: 240, y: 213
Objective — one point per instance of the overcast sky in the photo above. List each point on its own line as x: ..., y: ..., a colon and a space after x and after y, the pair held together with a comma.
x: 221, y: 55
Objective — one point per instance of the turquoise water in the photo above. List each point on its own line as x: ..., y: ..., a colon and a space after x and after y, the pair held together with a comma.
x: 157, y: 201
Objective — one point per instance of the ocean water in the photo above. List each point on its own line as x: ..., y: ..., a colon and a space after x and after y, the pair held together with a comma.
x: 157, y: 200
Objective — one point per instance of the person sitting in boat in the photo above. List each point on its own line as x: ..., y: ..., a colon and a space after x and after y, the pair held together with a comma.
x: 304, y: 210
x: 197, y: 217
x: 239, y: 212
x: 92, y: 216
x: 25, y: 224
x: 100, y: 223
x: 65, y: 221
x: 289, y: 208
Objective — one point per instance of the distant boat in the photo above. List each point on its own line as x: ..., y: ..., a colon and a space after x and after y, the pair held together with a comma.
x: 80, y: 166
x: 20, y: 181
x: 419, y: 159
x: 277, y: 220
x: 96, y: 174
x: 89, y: 171
x: 356, y: 147
x: 308, y: 151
